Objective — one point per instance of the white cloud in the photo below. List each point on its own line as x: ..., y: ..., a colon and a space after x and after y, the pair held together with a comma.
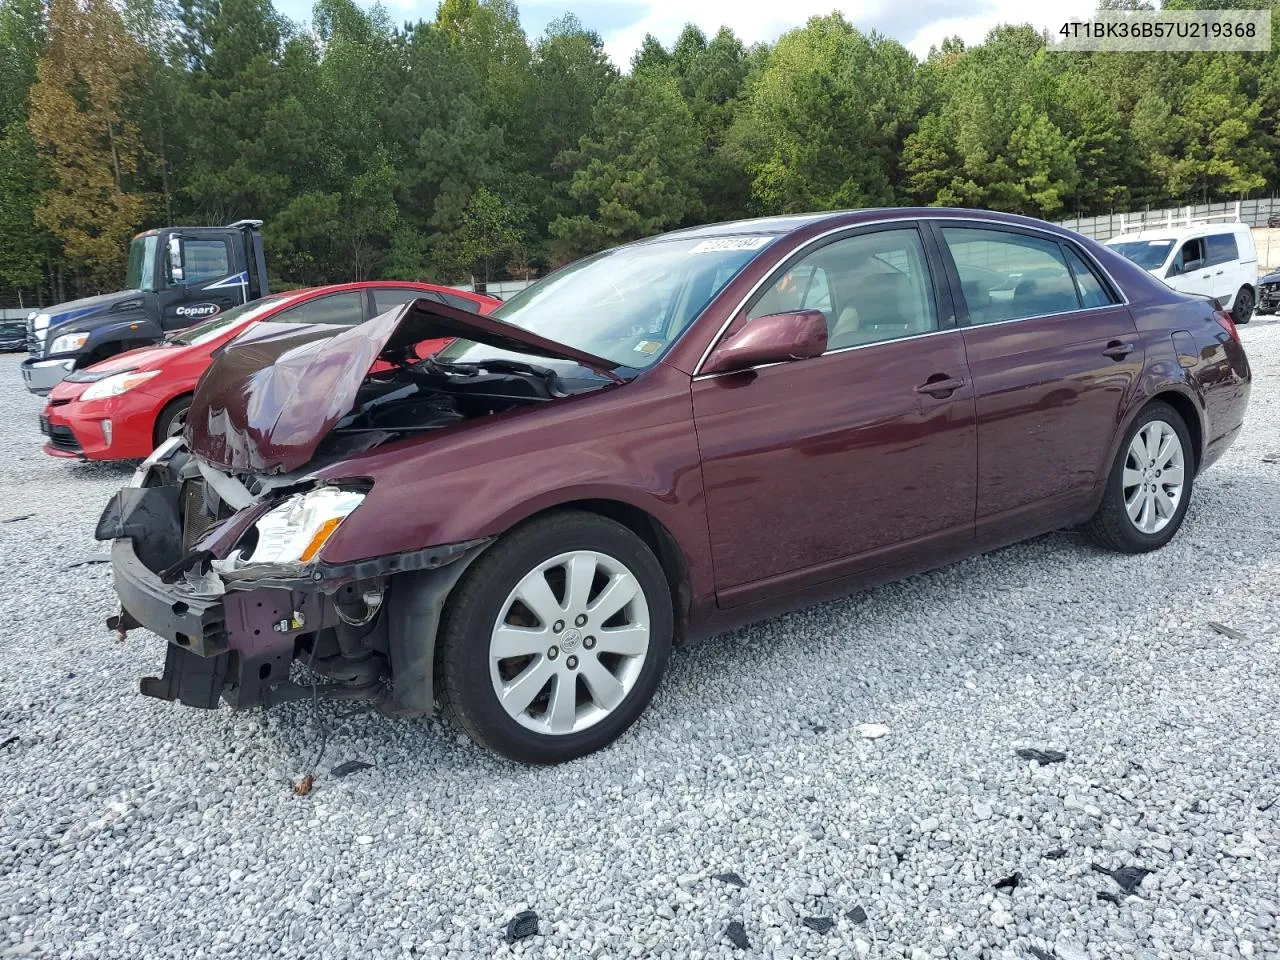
x: 918, y: 24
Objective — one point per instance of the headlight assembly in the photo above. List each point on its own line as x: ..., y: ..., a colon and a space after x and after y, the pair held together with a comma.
x: 295, y: 531
x: 116, y: 384
x: 69, y: 342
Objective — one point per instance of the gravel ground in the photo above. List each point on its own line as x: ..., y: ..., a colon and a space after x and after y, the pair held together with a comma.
x: 133, y: 828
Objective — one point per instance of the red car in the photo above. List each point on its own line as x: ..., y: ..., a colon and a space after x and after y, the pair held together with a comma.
x: 121, y: 408
x: 654, y: 444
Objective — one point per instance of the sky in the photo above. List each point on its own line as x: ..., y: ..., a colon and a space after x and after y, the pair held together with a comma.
x: 917, y: 24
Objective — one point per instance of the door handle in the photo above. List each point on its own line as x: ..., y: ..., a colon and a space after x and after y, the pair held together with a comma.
x: 1117, y: 350
x: 1219, y: 273
x: 940, y: 386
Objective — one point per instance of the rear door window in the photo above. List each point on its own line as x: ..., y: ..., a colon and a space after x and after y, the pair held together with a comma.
x: 1092, y: 292
x: 339, y: 309
x: 385, y: 299
x: 1010, y: 276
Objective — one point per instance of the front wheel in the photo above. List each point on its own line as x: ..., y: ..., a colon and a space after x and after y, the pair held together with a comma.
x: 1150, y: 484
x: 1242, y: 309
x: 555, y: 640
x: 171, y: 420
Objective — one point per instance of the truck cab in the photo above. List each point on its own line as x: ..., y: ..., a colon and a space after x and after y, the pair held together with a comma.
x: 176, y: 276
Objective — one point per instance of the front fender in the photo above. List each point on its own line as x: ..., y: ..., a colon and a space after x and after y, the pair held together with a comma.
x: 104, y: 328
x: 634, y: 445
x: 122, y: 327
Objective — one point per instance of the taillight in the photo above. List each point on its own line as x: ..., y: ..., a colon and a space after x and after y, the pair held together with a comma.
x: 1226, y: 323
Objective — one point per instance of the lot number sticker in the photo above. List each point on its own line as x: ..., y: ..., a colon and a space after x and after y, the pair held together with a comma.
x: 721, y: 244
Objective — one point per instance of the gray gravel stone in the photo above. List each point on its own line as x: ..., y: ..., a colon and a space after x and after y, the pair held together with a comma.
x: 134, y: 828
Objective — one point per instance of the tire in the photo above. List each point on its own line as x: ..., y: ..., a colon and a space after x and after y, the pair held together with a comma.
x: 1242, y: 309
x: 1112, y: 526
x: 171, y: 418
x: 470, y: 669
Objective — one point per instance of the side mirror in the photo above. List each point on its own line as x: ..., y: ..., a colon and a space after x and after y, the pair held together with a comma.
x: 1174, y: 269
x: 775, y: 338
x: 175, y: 258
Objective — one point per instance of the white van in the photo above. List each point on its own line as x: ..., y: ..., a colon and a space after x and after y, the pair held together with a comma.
x: 1215, y: 259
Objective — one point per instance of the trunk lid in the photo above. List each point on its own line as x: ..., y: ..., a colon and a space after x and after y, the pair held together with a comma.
x: 267, y: 401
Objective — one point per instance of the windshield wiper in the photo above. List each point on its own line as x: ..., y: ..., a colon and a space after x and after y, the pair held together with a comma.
x: 549, y: 378
x: 472, y: 368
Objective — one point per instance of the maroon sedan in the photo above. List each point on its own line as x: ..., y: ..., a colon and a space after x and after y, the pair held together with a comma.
x: 654, y: 444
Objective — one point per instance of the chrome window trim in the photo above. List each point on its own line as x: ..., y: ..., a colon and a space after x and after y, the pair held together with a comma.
x: 1089, y: 258
x: 830, y: 353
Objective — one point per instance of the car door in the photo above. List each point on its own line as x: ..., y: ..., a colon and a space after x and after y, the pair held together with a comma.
x: 1189, y: 270
x: 819, y: 468
x: 209, y: 284
x: 1223, y: 260
x: 1053, y: 351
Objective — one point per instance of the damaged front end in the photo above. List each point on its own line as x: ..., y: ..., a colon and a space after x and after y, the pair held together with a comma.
x: 217, y: 543
x: 232, y: 581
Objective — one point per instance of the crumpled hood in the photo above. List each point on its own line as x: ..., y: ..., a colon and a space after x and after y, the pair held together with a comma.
x: 1270, y: 278
x: 85, y: 309
x: 265, y: 405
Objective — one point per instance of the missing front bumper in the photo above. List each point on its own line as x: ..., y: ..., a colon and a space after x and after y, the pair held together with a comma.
x: 235, y: 641
x: 237, y: 647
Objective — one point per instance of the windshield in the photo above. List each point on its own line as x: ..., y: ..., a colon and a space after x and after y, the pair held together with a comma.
x: 627, y: 305
x: 141, y: 273
x: 1148, y: 254
x: 211, y: 329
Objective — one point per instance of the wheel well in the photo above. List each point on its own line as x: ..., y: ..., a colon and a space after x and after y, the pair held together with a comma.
x: 659, y: 540
x: 1190, y: 416
x: 164, y: 411
x: 102, y: 352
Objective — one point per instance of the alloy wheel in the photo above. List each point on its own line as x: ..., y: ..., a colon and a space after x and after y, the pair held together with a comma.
x: 569, y: 642
x: 1154, y: 477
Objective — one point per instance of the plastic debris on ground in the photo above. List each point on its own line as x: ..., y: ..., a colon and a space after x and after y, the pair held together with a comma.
x: 737, y: 935
x: 523, y: 924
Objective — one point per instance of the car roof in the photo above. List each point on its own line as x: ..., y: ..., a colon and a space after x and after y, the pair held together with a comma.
x: 791, y: 223
x: 376, y: 285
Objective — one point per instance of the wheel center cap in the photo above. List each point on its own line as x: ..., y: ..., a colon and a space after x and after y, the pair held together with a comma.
x: 570, y: 639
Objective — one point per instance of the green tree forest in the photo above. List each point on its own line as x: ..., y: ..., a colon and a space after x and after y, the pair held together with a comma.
x: 462, y: 147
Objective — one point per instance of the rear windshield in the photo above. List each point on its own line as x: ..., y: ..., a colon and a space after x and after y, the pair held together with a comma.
x: 1148, y: 254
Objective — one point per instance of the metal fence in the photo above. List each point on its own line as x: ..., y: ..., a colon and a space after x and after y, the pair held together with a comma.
x: 502, y: 289
x: 1256, y: 213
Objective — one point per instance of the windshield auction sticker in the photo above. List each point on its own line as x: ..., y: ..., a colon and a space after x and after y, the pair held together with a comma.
x: 1165, y: 31
x: 721, y: 244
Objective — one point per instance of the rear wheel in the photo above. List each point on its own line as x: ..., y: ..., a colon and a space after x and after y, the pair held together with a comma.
x: 1242, y: 309
x: 1150, y: 484
x: 555, y: 640
x: 171, y: 420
